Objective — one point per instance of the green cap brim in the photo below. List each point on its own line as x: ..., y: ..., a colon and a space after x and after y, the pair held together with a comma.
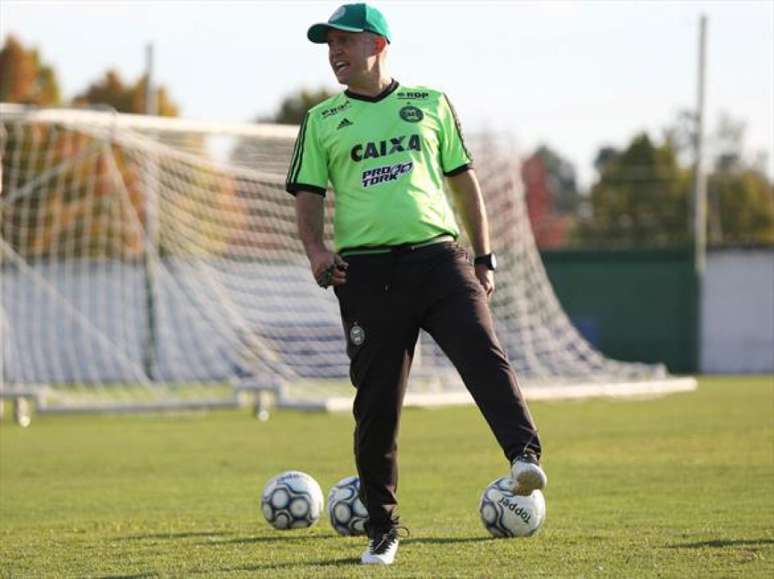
x: 318, y: 33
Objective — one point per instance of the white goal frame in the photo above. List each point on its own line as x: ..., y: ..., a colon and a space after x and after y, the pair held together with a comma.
x: 102, y: 211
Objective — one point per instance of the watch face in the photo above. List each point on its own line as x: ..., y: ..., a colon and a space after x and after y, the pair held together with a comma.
x: 492, y: 261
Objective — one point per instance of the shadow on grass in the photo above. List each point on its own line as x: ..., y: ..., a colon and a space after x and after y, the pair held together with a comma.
x: 286, y: 538
x: 289, y: 565
x: 444, y: 540
x: 269, y: 539
x: 340, y: 562
x: 186, y: 535
x: 138, y: 576
x: 722, y: 543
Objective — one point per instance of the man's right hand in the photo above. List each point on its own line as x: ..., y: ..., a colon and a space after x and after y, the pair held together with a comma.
x: 328, y: 268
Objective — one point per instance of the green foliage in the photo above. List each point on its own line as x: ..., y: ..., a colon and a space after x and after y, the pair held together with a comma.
x: 294, y: 106
x: 741, y: 207
x: 644, y: 194
x: 24, y: 77
x: 640, y: 199
x: 741, y: 198
x: 677, y: 486
x: 291, y: 111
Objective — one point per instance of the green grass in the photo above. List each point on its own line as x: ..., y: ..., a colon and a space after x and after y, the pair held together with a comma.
x: 680, y: 486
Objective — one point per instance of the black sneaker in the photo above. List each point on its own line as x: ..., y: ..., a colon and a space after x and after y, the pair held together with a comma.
x: 382, y: 547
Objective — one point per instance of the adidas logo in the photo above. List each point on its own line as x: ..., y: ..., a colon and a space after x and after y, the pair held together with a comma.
x: 345, y: 122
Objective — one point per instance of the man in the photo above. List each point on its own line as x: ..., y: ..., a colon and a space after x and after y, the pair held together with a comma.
x: 386, y: 150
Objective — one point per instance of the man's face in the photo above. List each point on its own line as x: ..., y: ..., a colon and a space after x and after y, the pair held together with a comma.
x: 350, y: 54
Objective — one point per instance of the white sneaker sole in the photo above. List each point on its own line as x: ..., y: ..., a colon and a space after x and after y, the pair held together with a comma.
x: 386, y: 559
x: 376, y: 560
x: 528, y: 477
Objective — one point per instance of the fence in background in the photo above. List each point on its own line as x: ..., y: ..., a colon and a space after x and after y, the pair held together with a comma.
x: 642, y: 305
x: 737, y: 311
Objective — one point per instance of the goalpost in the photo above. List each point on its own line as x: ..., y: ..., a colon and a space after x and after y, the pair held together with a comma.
x: 150, y: 263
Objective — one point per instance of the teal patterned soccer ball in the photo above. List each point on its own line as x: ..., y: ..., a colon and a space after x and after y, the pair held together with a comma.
x: 507, y: 515
x: 292, y: 500
x: 347, y: 513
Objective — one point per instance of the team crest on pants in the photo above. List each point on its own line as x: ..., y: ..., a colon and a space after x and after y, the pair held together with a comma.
x: 357, y: 335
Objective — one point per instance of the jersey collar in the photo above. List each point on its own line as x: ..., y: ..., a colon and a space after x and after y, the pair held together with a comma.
x: 374, y: 99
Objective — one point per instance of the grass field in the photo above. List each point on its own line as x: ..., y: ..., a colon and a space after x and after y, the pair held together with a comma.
x: 680, y: 486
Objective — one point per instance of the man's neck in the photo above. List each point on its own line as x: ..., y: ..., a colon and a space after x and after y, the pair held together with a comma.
x: 371, y: 87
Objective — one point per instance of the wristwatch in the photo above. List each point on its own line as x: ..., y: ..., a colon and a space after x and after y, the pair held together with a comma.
x: 489, y: 260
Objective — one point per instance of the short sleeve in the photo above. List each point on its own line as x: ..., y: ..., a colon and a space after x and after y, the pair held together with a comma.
x: 455, y: 157
x: 308, y: 169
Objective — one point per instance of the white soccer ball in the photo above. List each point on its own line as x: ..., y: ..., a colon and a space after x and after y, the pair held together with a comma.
x: 505, y: 514
x: 347, y: 512
x: 292, y: 500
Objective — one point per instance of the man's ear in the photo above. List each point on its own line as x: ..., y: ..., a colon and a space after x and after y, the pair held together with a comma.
x: 380, y: 43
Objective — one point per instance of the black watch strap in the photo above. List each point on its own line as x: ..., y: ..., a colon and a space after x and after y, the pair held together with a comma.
x: 488, y: 260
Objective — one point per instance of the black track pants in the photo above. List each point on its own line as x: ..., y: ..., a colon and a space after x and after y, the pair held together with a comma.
x: 385, y: 302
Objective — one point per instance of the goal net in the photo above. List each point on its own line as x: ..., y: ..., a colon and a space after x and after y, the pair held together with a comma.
x: 155, y: 261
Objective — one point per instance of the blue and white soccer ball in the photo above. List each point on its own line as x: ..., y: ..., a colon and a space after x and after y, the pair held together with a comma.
x: 505, y: 514
x: 347, y: 513
x: 292, y: 500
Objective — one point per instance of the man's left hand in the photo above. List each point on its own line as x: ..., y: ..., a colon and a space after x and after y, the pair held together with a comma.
x: 486, y: 279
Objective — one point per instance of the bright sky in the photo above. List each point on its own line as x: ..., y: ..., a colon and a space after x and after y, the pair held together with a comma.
x: 573, y: 74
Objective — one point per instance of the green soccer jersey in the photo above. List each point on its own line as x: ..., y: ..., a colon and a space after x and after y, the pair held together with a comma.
x: 385, y: 158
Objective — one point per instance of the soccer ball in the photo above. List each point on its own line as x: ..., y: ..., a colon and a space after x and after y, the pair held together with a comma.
x: 292, y: 500
x: 347, y: 513
x: 507, y: 515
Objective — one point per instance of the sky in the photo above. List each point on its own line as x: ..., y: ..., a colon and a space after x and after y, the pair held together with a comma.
x: 575, y: 75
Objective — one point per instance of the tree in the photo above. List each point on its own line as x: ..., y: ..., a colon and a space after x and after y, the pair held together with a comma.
x: 294, y: 106
x: 641, y: 197
x: 125, y: 98
x: 551, y: 194
x: 24, y: 77
x: 740, y: 197
x: 561, y: 180
x: 605, y: 156
x: 644, y: 194
x: 291, y: 111
x: 741, y: 207
x: 728, y: 144
x: 81, y: 199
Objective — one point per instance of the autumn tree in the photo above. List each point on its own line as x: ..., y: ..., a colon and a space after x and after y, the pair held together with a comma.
x: 111, y: 90
x: 551, y: 194
x: 76, y: 198
x: 24, y: 77
x: 562, y: 179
